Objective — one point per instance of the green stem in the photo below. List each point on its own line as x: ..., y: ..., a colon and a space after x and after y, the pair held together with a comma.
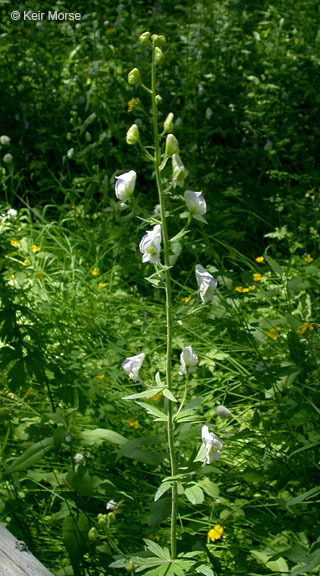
x: 184, y: 395
x: 170, y: 430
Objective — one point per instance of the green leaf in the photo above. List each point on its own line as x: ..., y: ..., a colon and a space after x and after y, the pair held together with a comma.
x: 158, y: 414
x: 168, y: 394
x: 279, y: 565
x: 158, y: 550
x: 31, y: 456
x: 99, y: 435
x: 210, y: 488
x: 194, y: 494
x: 304, y: 496
x: 314, y: 562
x: 204, y: 569
x: 133, y: 449
x: 275, y: 267
x: 74, y: 533
x: 164, y: 487
x: 145, y: 394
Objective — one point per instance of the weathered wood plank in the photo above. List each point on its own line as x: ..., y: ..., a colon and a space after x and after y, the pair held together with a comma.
x: 15, y: 561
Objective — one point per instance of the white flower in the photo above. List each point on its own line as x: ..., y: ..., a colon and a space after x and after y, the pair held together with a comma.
x: 7, y: 159
x: 70, y: 152
x: 206, y: 283
x: 150, y: 245
x: 132, y: 366
x: 5, y: 140
x: 222, y: 411
x: 112, y: 506
x: 188, y: 361
x: 124, y: 186
x: 212, y: 443
x: 196, y: 204
x: 12, y: 213
x: 78, y: 459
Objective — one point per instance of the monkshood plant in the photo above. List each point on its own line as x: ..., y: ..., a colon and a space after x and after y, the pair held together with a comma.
x: 155, y: 248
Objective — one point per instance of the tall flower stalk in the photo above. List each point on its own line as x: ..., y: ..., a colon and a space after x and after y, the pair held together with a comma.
x: 165, y: 238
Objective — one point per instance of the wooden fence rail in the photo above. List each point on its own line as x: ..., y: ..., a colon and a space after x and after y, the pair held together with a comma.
x: 15, y: 558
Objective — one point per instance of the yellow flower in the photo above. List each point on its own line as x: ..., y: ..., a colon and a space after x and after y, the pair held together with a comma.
x: 26, y: 262
x: 106, y: 68
x: 133, y: 423
x: 14, y: 242
x: 110, y: 31
x: 95, y: 271
x: 35, y: 248
x: 11, y: 276
x: 273, y: 334
x: 102, y: 284
x: 186, y: 299
x: 238, y: 289
x: 100, y: 376
x: 215, y: 533
x: 259, y: 259
x: 156, y: 397
x: 39, y: 274
x: 257, y: 277
x: 131, y: 104
x: 308, y: 258
x: 305, y: 326
x: 119, y: 70
x: 247, y: 289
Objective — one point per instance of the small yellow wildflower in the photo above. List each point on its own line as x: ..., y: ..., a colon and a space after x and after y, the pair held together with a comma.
x: 106, y: 68
x: 86, y: 57
x: 131, y: 104
x: 14, y: 242
x: 215, y: 533
x: 119, y: 70
x: 259, y: 27
x: 39, y: 274
x: 186, y: 299
x: 259, y: 259
x: 247, y: 289
x: 156, y: 397
x: 133, y: 423
x: 238, y: 289
x: 100, y: 376
x: 257, y: 277
x: 308, y: 258
x: 310, y: 192
x: 102, y: 284
x: 230, y: 171
x: 273, y: 334
x: 35, y: 248
x: 26, y: 262
x: 95, y: 271
x: 11, y: 276
x: 305, y: 326
x: 110, y: 31
x: 154, y: 537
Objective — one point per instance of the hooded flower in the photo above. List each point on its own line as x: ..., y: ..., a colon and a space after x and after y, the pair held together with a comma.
x: 212, y: 443
x: 196, y: 204
x: 206, y: 283
x: 188, y: 361
x: 222, y: 411
x: 132, y: 366
x: 150, y: 245
x: 179, y: 172
x: 124, y: 186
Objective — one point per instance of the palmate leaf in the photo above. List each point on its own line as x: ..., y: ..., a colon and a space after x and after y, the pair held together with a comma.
x: 145, y: 394
x: 157, y: 550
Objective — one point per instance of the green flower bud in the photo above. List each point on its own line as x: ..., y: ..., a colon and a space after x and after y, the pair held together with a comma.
x: 133, y: 135
x: 168, y: 123
x: 102, y: 520
x: 172, y: 146
x: 179, y: 172
x: 88, y: 136
x: 158, y: 41
x: 158, y: 54
x: 69, y: 136
x: 93, y: 534
x: 158, y: 99
x: 144, y: 39
x: 130, y: 566
x: 134, y: 77
x: 111, y: 517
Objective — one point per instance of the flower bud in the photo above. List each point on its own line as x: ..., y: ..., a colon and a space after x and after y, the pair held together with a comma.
x: 124, y: 185
x: 172, y: 146
x: 179, y: 172
x: 158, y: 99
x: 168, y: 123
x: 158, y: 41
x: 158, y: 54
x: 134, y: 77
x: 144, y: 39
x: 223, y: 412
x: 8, y: 158
x: 102, y: 520
x: 111, y: 517
x: 93, y: 534
x: 69, y: 136
x: 130, y: 566
x: 133, y: 135
x: 88, y: 136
